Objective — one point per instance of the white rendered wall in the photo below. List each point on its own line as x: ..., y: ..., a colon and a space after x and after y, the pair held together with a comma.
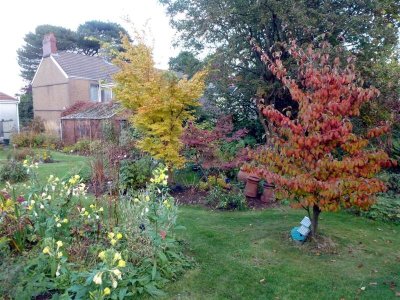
x: 9, y: 111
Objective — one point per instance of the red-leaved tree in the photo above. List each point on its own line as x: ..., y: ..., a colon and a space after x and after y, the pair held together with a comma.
x: 316, y: 159
x: 205, y: 145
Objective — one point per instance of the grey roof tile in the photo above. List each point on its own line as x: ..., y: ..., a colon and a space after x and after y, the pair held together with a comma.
x: 96, y: 111
x: 83, y: 66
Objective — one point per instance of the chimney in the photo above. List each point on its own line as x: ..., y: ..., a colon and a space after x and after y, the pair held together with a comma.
x: 49, y: 44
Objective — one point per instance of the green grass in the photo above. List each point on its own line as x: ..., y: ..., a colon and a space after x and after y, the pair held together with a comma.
x: 64, y: 165
x: 248, y: 255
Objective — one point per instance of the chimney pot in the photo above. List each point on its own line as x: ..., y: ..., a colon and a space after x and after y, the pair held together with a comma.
x: 49, y: 44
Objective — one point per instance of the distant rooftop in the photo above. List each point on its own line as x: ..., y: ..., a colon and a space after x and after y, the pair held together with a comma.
x: 84, y: 66
x: 6, y: 97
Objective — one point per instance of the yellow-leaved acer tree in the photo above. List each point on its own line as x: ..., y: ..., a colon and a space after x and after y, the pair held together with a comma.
x: 161, y: 102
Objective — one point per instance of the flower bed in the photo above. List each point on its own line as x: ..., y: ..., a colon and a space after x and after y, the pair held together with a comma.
x: 73, y: 246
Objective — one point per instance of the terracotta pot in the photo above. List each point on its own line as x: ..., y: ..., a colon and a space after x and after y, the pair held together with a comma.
x: 251, y: 187
x: 242, y: 176
x: 268, y: 193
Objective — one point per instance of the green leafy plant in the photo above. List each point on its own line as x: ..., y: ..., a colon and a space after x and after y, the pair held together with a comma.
x: 13, y: 171
x: 220, y: 198
x: 135, y: 174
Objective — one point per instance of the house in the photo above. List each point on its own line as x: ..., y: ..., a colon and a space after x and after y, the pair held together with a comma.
x: 64, y: 78
x: 88, y: 120
x: 9, y: 118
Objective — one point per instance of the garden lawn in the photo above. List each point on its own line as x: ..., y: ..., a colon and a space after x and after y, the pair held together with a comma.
x: 248, y: 255
x: 64, y: 165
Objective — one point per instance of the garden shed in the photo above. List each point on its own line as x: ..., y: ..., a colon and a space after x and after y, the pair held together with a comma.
x: 86, y: 120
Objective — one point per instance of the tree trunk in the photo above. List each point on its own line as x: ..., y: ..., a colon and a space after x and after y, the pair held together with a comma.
x: 314, y: 221
x: 171, y: 179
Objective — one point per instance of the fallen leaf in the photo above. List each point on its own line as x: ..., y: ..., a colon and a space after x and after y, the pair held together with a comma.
x: 362, y: 288
x: 373, y: 283
x: 333, y: 260
x: 262, y: 280
x: 397, y: 294
x: 360, y: 266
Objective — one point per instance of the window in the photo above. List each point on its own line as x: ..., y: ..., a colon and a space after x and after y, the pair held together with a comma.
x: 106, y: 94
x: 94, y: 92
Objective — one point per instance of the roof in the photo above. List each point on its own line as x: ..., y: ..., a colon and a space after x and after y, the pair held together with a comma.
x: 6, y: 97
x: 84, y: 66
x: 96, y: 111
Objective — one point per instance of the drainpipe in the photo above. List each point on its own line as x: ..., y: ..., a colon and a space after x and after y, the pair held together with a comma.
x: 17, y: 105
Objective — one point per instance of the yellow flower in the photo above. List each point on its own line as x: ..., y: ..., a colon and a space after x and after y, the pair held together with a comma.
x: 101, y: 209
x: 59, y: 254
x: 59, y: 244
x: 121, y: 263
x: 113, y: 242
x: 111, y: 235
x: 119, y: 236
x: 102, y: 255
x: 46, y: 250
x: 147, y: 198
x: 65, y: 221
x: 86, y: 213
x: 91, y: 206
x: 106, y: 291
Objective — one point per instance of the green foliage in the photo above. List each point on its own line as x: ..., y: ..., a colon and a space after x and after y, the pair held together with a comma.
x: 185, y: 63
x: 221, y: 198
x: 25, y: 106
x: 368, y: 28
x: 92, y: 35
x: 35, y: 140
x: 386, y: 209
x: 82, y: 147
x: 135, y: 174
x: 13, y: 171
x: 73, y: 247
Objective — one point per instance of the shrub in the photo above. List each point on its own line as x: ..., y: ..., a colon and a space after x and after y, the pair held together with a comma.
x: 81, y: 147
x: 44, y: 156
x: 22, y: 154
x: 226, y: 199
x: 32, y: 139
x: 135, y: 174
x: 385, y: 209
x: 13, y: 171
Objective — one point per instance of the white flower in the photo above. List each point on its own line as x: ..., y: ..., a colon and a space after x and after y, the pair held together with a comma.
x: 58, y: 225
x: 58, y: 271
x: 117, y: 273
x: 41, y: 206
x: 97, y: 278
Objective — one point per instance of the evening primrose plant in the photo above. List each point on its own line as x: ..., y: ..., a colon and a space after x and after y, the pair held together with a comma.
x: 74, y: 248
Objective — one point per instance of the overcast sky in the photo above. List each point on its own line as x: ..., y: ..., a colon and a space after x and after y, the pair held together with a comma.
x: 19, y: 17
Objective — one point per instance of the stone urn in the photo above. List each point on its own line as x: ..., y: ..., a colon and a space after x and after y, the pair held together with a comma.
x: 251, y: 187
x: 268, y: 193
